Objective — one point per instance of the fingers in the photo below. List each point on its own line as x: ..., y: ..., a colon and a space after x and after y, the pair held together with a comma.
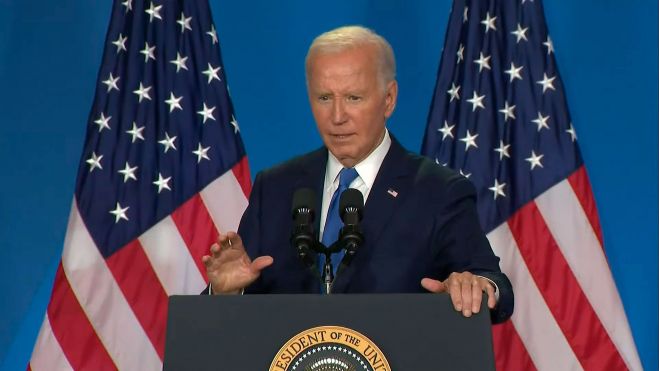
x: 432, y: 285
x: 229, y: 240
x: 260, y: 263
x: 466, y: 291
x: 225, y: 241
x: 454, y: 283
x: 228, y: 249
x: 476, y: 295
x: 228, y: 267
x: 491, y: 297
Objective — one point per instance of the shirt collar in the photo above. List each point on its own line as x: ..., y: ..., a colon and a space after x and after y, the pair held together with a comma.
x: 367, y: 169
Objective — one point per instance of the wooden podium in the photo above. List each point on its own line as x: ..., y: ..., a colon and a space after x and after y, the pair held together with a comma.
x: 402, y: 332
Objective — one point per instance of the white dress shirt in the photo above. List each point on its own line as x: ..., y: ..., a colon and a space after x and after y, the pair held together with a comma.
x: 367, y: 169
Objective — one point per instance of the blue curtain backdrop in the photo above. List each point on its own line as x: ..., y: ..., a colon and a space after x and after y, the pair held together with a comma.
x: 50, y: 53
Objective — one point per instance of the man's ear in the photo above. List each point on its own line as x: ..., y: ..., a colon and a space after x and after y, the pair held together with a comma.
x: 391, y: 95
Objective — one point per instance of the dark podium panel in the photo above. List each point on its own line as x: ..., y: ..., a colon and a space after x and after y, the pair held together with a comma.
x: 415, y: 332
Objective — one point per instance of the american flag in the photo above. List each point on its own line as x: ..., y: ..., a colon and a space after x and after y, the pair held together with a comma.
x: 163, y: 169
x: 499, y: 117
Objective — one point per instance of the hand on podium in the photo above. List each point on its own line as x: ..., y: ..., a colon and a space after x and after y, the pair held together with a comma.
x: 465, y: 289
x: 229, y: 269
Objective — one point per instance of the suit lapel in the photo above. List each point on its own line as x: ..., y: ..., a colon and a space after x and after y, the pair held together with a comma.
x: 392, y: 184
x: 312, y: 175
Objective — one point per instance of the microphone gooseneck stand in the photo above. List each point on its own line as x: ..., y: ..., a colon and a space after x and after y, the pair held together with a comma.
x: 305, y: 241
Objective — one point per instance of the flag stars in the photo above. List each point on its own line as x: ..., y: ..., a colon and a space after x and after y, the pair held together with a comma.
x: 111, y: 83
x: 179, y: 62
x: 207, y: 113
x: 213, y: 34
x: 128, y: 4
x: 212, y: 73
x: 184, y: 22
x: 489, y: 22
x: 201, y: 153
x: 541, y: 121
x: 508, y: 111
x: 143, y: 92
x: 460, y: 53
x: 120, y: 43
x: 162, y: 183
x: 520, y: 33
x: 514, y: 72
x: 549, y: 44
x: 497, y: 189
x: 149, y: 52
x: 483, y: 62
x: 136, y: 132
x: 572, y: 132
x: 466, y: 175
x: 469, y: 140
x: 103, y: 122
x: 534, y: 160
x: 446, y: 130
x: 502, y: 150
x: 546, y: 82
x: 119, y: 213
x: 128, y: 172
x: 154, y: 12
x: 476, y: 101
x: 234, y: 123
x: 174, y: 102
x: 94, y: 162
x: 454, y: 92
x: 168, y: 142
x: 465, y: 14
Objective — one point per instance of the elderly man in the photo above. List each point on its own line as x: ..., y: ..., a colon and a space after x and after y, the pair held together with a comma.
x: 421, y: 231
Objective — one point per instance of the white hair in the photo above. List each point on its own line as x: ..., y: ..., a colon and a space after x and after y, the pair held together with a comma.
x: 349, y: 37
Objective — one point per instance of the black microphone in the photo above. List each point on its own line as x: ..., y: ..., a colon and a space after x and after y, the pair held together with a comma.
x: 351, y: 208
x: 303, y: 237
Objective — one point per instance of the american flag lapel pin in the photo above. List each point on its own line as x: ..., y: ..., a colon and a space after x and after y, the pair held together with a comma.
x: 393, y: 193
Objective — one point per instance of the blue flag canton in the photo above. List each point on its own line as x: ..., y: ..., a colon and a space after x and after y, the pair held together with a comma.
x: 162, y: 125
x: 499, y: 114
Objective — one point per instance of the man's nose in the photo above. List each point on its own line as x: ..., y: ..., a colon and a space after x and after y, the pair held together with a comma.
x: 338, y: 112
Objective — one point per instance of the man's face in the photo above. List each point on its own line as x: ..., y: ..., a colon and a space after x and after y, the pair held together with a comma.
x: 349, y: 102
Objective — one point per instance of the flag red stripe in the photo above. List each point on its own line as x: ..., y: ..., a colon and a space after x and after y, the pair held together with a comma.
x: 560, y: 289
x: 581, y: 186
x: 78, y: 339
x: 197, y: 229
x: 241, y: 172
x: 143, y: 291
x: 509, y: 350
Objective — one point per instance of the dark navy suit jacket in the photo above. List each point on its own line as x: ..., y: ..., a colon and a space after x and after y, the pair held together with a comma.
x: 426, y: 227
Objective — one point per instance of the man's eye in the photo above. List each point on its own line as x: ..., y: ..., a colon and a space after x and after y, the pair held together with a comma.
x: 323, y: 98
x: 354, y: 98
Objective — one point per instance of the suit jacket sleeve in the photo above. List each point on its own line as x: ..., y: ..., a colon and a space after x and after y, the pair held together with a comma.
x: 460, y: 244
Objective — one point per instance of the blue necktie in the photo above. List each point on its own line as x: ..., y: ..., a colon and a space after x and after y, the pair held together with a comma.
x: 333, y: 221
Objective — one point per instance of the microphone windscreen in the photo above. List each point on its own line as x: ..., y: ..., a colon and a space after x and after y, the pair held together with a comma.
x: 352, y: 200
x: 303, y: 198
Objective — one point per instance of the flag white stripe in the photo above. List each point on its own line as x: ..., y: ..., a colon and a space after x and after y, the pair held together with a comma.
x: 47, y: 353
x: 103, y: 302
x: 225, y: 201
x: 171, y: 259
x: 542, y: 337
x: 574, y: 234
